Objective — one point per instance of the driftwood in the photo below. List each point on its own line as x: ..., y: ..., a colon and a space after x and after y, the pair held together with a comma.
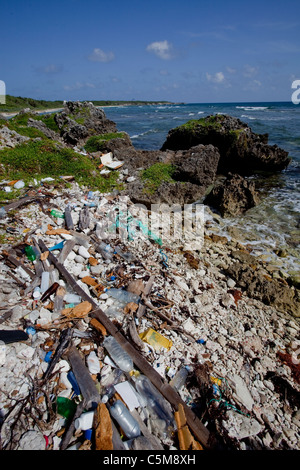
x: 200, y: 432
x: 85, y: 382
x: 65, y: 339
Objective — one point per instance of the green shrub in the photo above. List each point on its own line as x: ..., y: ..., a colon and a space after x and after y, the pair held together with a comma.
x: 157, y: 174
x: 97, y: 143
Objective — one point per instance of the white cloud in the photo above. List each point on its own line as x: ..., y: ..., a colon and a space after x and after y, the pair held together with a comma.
x: 163, y: 49
x: 98, y: 55
x: 216, y: 78
x: 250, y: 71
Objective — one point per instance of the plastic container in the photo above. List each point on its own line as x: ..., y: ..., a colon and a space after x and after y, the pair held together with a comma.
x: 117, y: 354
x: 125, y: 419
x: 57, y: 214
x: 65, y: 407
x: 93, y: 363
x: 3, y: 213
x: 45, y: 281
x: 36, y: 293
x: 85, y: 421
x: 159, y: 409
x: 106, y: 250
x: 70, y: 298
x: 123, y: 295
x: 71, y: 378
x: 179, y: 378
x: 30, y: 253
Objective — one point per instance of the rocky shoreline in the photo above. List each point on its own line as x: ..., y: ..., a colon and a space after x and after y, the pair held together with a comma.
x: 231, y: 318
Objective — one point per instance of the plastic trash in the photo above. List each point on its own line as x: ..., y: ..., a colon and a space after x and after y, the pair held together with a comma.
x: 19, y: 184
x: 155, y: 339
x: 158, y: 407
x: 85, y: 421
x: 30, y: 253
x: 106, y: 250
x: 45, y: 281
x: 65, y: 407
x: 13, y: 336
x: 123, y: 295
x: 88, y: 433
x: 179, y: 378
x: 72, y: 379
x: 3, y: 213
x: 125, y: 419
x: 117, y: 354
x: 70, y: 298
x: 93, y: 363
x: 36, y: 293
x: 57, y: 214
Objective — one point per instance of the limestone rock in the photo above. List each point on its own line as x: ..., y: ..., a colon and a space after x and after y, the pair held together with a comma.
x: 241, y: 150
x: 233, y: 197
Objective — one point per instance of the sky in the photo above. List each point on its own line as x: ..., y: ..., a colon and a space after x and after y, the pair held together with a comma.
x: 192, y: 51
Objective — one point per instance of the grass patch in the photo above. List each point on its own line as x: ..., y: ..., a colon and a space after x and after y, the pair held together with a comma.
x: 157, y: 174
x: 97, y: 143
x: 40, y: 159
x: 207, y: 122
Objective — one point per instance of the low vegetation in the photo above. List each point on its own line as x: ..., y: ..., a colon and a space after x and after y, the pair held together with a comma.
x: 97, y: 143
x: 155, y: 175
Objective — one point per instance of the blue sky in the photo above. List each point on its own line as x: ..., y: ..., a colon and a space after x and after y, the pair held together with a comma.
x: 182, y: 51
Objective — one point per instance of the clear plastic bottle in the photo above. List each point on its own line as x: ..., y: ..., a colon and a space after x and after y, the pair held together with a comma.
x: 106, y: 250
x: 125, y: 419
x: 123, y: 295
x: 179, y: 378
x: 158, y: 407
x: 117, y: 354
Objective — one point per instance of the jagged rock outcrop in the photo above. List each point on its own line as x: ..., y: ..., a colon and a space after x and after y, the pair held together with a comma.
x: 269, y: 291
x: 10, y: 138
x: 79, y: 120
x: 234, y: 196
x: 241, y: 150
x: 194, y: 170
x: 41, y: 126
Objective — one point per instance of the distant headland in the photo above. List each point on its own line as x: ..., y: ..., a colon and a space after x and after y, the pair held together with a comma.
x: 15, y: 104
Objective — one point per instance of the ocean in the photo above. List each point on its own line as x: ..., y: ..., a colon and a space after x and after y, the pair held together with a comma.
x: 273, y: 226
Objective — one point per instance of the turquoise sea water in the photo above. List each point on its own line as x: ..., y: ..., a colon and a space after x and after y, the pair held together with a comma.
x: 275, y: 222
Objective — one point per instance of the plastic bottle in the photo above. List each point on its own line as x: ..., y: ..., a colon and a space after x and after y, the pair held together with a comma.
x: 125, y: 419
x: 36, y: 293
x: 123, y: 295
x: 30, y: 253
x: 85, y: 421
x: 179, y: 378
x: 3, y: 213
x: 45, y: 281
x: 57, y: 214
x: 117, y: 354
x: 159, y: 409
x: 110, y: 391
x: 106, y: 250
x: 65, y: 407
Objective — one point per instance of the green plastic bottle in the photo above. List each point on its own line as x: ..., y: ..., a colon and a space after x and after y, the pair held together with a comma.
x: 57, y: 214
x: 65, y: 407
x: 30, y: 253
